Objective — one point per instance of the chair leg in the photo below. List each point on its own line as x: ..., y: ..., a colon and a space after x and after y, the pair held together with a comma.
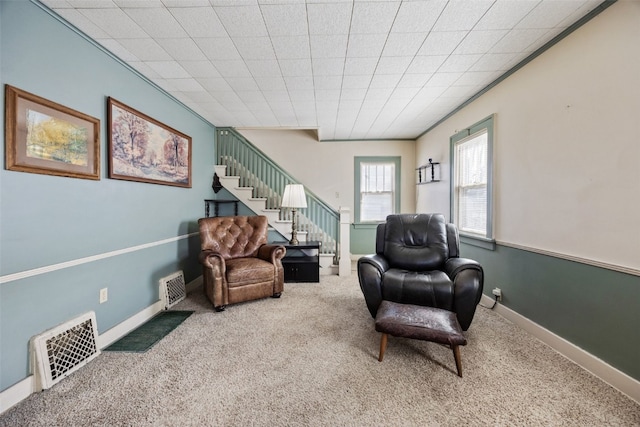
x: 456, y: 355
x: 220, y: 308
x: 383, y: 346
x: 276, y: 295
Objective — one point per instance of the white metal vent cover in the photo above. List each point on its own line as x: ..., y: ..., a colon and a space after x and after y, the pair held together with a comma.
x: 173, y: 288
x: 62, y: 350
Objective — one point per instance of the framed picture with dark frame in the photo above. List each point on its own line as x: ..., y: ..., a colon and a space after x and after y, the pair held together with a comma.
x: 44, y: 137
x: 145, y: 150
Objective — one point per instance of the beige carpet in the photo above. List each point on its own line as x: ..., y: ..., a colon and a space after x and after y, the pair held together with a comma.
x: 310, y: 358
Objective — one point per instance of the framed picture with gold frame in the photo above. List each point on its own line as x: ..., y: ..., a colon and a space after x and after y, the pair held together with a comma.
x: 47, y: 138
x: 145, y: 150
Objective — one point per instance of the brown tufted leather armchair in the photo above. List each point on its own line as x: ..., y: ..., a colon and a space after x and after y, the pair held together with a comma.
x: 237, y: 263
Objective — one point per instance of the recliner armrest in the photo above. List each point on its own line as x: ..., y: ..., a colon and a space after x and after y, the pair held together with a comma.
x: 378, y: 261
x: 453, y: 266
x: 213, y: 260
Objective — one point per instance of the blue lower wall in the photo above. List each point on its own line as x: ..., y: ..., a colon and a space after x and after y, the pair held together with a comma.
x: 47, y: 220
x: 594, y: 308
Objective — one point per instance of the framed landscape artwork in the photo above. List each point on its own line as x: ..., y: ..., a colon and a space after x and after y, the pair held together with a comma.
x: 44, y: 137
x: 145, y: 150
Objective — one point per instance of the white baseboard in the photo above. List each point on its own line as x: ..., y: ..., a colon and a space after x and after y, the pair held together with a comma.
x: 23, y: 389
x: 607, y: 373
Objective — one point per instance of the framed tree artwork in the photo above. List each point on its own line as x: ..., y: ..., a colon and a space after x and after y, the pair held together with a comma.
x: 47, y: 138
x: 145, y: 150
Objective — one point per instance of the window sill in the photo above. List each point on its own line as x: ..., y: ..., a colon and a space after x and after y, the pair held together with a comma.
x: 480, y: 242
x: 366, y: 225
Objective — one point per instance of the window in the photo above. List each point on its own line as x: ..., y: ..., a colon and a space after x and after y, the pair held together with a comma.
x: 471, y: 178
x: 377, y: 182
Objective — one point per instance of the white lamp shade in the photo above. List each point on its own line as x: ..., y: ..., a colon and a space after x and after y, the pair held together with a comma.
x: 294, y: 196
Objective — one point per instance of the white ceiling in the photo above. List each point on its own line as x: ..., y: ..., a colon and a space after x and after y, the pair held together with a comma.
x: 351, y: 69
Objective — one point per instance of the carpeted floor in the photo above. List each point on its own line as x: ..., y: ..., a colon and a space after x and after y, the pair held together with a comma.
x: 310, y: 359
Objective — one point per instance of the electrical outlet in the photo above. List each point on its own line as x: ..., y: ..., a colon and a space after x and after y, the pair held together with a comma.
x: 104, y: 295
x: 497, y: 292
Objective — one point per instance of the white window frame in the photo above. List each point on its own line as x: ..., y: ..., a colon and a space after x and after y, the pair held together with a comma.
x: 483, y: 127
x: 360, y: 162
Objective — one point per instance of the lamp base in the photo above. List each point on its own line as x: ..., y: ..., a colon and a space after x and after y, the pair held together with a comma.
x: 294, y: 226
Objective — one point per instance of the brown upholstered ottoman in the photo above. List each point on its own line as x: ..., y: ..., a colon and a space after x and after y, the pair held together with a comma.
x: 421, y: 323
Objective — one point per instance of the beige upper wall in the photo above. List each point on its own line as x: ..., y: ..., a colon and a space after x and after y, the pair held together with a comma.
x: 566, y: 146
x: 326, y: 168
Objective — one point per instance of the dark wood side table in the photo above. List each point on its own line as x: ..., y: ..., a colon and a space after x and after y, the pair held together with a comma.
x: 216, y: 208
x: 301, y: 262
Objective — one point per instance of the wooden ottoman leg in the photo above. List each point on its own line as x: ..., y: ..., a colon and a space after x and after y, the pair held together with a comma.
x: 456, y: 355
x: 383, y: 346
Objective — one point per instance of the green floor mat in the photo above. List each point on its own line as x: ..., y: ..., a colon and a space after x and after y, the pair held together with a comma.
x: 145, y: 336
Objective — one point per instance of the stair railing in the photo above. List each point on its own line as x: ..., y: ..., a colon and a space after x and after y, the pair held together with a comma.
x: 257, y: 170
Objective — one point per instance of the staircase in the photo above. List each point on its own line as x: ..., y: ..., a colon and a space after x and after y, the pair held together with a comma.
x: 257, y: 182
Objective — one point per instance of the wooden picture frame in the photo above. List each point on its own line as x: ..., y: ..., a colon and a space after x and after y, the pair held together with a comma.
x: 47, y: 138
x: 143, y: 149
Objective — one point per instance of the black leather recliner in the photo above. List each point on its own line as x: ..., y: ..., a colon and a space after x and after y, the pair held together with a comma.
x: 417, y: 262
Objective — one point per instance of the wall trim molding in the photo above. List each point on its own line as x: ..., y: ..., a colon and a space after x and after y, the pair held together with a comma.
x: 594, y: 263
x: 67, y: 264
x: 25, y: 388
x: 607, y: 373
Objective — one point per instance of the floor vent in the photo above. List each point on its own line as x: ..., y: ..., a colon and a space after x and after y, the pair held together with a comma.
x: 60, y: 351
x: 173, y: 288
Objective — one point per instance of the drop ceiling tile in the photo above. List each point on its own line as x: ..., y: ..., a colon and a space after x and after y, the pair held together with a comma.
x: 251, y: 97
x: 186, y: 3
x: 145, y: 49
x: 117, y: 49
x: 405, y: 93
x: 264, y: 68
x: 57, y: 4
x: 168, y: 69
x: 416, y: 17
x: 479, y: 41
x: 426, y: 64
x: 240, y: 84
x: 271, y: 83
x: 291, y: 47
x: 328, y: 46
x: 353, y: 94
x: 378, y: 94
x: 493, y: 62
x: 461, y: 15
x: 356, y: 81
x: 242, y: 21
x: 518, y: 41
x: 214, y: 84
x: 295, y: 67
x: 443, y: 79
x: 144, y: 69
x: 328, y: 66
x: 285, y: 19
x: 458, y: 63
x: 548, y: 14
x: 328, y: 82
x: 365, y: 45
x: 414, y: 80
x: 384, y: 81
x: 323, y: 95
x: 200, y: 68
x: 403, y: 44
x: 372, y: 17
x: 199, y: 21
x: 254, y: 48
x: 393, y: 64
x: 360, y: 66
x: 83, y: 23
x: 478, y: 78
x: 183, y: 49
x: 139, y: 3
x: 185, y: 84
x: 157, y: 22
x: 302, y: 95
x: 273, y: 96
x: 329, y: 18
x: 235, y: 68
x: 114, y: 22
x: 504, y: 14
x: 218, y: 48
x: 441, y: 42
x: 299, y: 83
x: 97, y: 4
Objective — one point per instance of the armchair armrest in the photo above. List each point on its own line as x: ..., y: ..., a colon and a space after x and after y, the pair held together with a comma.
x: 371, y: 268
x: 272, y: 253
x: 214, y: 261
